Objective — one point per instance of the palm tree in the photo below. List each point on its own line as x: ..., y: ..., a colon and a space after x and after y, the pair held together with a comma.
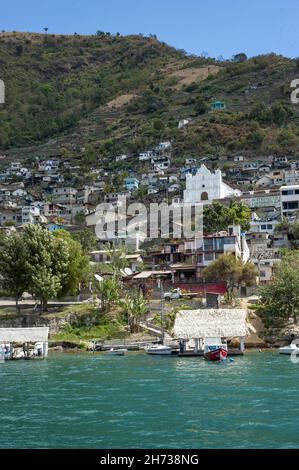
x: 134, y: 307
x: 118, y: 258
x: 109, y: 291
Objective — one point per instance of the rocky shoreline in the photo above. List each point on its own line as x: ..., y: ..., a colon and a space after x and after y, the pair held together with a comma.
x: 257, y: 338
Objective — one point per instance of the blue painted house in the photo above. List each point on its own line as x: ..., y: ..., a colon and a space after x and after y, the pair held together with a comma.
x: 218, y: 105
x: 131, y: 183
x: 53, y: 227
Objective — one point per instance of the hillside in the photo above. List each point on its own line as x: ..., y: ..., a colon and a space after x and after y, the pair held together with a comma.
x: 123, y: 94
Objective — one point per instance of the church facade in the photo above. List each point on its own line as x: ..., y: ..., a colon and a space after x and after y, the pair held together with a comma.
x: 206, y: 185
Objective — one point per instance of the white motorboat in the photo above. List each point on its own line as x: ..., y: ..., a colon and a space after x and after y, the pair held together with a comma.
x: 116, y: 352
x: 293, y: 348
x: 158, y: 349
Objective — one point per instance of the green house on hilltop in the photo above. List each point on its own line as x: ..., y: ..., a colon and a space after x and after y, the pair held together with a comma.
x: 218, y: 105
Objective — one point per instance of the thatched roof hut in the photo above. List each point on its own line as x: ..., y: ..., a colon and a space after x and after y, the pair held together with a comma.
x: 210, y: 323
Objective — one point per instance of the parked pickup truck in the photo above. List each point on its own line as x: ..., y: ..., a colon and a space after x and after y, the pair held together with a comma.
x: 177, y: 294
x: 173, y: 294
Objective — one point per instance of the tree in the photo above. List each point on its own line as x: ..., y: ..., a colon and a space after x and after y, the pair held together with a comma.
x: 280, y: 300
x: 109, y: 291
x: 19, y: 49
x: 90, y: 155
x: 279, y: 114
x: 78, y: 267
x: 239, y: 214
x: 47, y: 263
x: 118, y: 258
x: 255, y: 138
x: 87, y: 239
x: 240, y: 57
x: 14, y: 277
x: 200, y: 106
x: 134, y: 307
x: 158, y: 125
x: 231, y: 270
x: 217, y: 217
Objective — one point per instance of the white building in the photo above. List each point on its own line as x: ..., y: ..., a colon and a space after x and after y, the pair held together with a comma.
x: 163, y: 146
x: 289, y: 198
x: 183, y: 123
x: 64, y: 195
x: 266, y: 226
x: 30, y: 214
x: 206, y: 185
x: 15, y: 166
x: 144, y: 156
x: 119, y: 158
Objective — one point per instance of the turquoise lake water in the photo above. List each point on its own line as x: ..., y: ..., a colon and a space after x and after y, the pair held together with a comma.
x: 136, y: 401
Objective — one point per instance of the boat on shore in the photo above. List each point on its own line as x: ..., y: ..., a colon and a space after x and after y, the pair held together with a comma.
x: 116, y: 352
x: 215, y: 349
x: 158, y: 349
x: 289, y: 350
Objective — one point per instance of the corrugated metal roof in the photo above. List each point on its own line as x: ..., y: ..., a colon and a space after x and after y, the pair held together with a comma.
x: 147, y: 274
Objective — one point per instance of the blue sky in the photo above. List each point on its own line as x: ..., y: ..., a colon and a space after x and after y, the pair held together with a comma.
x: 219, y: 27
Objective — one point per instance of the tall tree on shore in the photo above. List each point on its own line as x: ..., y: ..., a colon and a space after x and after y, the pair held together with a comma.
x: 46, y: 262
x: 134, y: 307
x: 279, y: 301
x: 14, y: 276
x: 109, y: 291
x: 78, y: 266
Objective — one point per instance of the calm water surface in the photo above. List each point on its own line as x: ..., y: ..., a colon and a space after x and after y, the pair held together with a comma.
x: 97, y: 401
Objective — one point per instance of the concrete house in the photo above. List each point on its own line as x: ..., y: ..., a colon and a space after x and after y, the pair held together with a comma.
x: 218, y: 105
x: 289, y: 197
x: 130, y: 183
x: 64, y: 195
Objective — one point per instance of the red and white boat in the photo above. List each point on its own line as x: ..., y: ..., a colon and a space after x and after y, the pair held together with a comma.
x: 215, y: 349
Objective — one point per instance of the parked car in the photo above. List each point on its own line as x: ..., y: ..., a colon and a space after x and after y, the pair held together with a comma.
x: 173, y: 294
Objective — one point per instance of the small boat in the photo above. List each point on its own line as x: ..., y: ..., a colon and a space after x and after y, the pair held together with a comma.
x: 293, y: 348
x: 215, y: 349
x: 158, y: 349
x: 116, y: 352
x: 18, y: 354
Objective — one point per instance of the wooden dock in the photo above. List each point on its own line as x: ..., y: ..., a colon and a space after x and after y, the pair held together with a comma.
x: 230, y: 352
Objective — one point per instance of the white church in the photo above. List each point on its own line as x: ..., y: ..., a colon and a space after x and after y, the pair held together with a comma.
x: 205, y: 186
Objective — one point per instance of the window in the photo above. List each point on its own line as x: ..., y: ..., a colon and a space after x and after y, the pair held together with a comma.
x: 263, y: 227
x: 209, y: 256
x: 208, y: 244
x: 269, y: 227
x: 290, y: 205
x: 199, y: 259
x: 229, y: 240
x: 288, y: 192
x: 219, y: 244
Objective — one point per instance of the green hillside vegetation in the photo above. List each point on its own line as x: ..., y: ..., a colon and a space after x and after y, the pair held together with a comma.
x: 118, y: 94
